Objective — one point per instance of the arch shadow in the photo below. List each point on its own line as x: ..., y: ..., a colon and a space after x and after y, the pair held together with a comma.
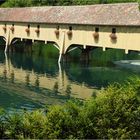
x: 81, y: 47
x: 54, y: 44
x: 72, y: 47
x: 2, y: 42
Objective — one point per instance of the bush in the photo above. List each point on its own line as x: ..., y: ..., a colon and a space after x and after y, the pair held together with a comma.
x: 14, y: 125
x: 34, y: 124
x: 3, y: 125
x: 25, y: 124
x: 118, y: 112
x: 62, y: 122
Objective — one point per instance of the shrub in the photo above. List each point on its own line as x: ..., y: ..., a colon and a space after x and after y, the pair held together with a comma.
x: 3, y: 126
x: 34, y: 124
x: 118, y: 112
x: 14, y: 125
x: 64, y: 122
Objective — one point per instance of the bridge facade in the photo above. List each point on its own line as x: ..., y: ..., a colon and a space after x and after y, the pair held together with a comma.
x: 107, y: 26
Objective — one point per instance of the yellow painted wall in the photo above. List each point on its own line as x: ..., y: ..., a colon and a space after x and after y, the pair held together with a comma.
x: 128, y: 38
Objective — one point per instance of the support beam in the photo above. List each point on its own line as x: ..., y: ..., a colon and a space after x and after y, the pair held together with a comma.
x: 104, y: 48
x: 4, y: 38
x: 126, y: 51
x: 84, y: 46
x: 8, y: 41
x: 61, y: 50
x: 72, y: 49
x: 6, y: 47
x: 56, y: 46
x: 14, y: 41
x: 60, y: 57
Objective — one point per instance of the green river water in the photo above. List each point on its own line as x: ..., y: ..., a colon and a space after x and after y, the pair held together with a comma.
x: 32, y: 80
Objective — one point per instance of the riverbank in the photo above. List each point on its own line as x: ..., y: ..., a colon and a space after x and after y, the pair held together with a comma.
x: 113, y: 114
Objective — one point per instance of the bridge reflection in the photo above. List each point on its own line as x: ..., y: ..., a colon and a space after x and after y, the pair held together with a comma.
x: 57, y: 81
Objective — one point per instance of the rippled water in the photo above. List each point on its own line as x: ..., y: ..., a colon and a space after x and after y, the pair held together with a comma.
x: 33, y: 80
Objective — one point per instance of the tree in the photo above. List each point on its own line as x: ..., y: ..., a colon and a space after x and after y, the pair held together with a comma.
x: 17, y: 3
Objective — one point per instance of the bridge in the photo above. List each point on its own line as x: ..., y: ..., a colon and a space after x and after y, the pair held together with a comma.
x: 68, y: 27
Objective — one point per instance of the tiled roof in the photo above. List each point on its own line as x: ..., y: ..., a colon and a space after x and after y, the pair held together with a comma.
x: 104, y: 14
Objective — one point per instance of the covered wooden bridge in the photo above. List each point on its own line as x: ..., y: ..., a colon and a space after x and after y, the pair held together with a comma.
x: 107, y: 26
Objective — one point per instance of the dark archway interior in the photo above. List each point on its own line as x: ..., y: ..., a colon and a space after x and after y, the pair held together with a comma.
x: 2, y: 42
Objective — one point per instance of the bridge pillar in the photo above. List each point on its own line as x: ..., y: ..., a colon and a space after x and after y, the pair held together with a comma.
x: 104, y: 48
x: 62, y: 47
x: 126, y: 51
x: 8, y: 41
x: 60, y: 58
x: 6, y: 47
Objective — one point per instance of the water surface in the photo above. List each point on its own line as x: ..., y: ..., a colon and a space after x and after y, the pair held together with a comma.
x: 33, y: 80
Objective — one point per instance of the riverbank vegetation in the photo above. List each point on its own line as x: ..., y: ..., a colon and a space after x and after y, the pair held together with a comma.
x: 25, y: 3
x: 113, y: 113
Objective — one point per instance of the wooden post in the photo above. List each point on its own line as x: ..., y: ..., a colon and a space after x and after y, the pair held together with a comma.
x: 61, y: 51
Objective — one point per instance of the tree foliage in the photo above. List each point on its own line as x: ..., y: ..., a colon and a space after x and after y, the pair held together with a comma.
x: 26, y: 3
x: 17, y: 3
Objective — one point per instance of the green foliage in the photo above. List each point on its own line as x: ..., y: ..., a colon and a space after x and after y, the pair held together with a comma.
x: 25, y: 3
x: 56, y: 122
x: 138, y: 3
x: 64, y: 122
x: 33, y: 124
x: 113, y: 114
x: 17, y: 3
x: 2, y: 123
x: 118, y: 110
x: 14, y: 125
x: 25, y: 124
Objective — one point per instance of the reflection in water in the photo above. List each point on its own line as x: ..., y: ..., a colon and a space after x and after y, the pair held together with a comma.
x: 27, y: 79
x: 22, y: 76
x: 22, y: 85
x: 5, y: 74
x: 37, y: 82
x: 12, y: 76
x: 129, y: 64
x: 57, y: 81
x: 68, y: 91
x: 55, y: 88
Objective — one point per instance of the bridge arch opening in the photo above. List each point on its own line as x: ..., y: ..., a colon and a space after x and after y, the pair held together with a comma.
x: 20, y: 45
x: 40, y: 47
x: 54, y: 44
x: 73, y: 53
x: 78, y: 52
x: 46, y: 49
x: 2, y: 42
x: 51, y: 50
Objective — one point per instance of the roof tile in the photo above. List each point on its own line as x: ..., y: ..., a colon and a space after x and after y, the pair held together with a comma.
x: 104, y: 14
